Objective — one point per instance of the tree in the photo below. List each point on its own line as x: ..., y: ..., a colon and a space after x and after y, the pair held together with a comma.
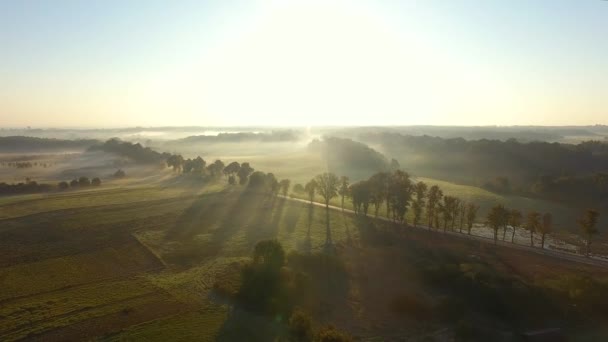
x: 448, y: 208
x: 420, y: 189
x: 505, y: 222
x: 463, y: 215
x: 231, y: 170
x: 298, y: 189
x: 515, y: 220
x: 587, y: 223
x: 399, y: 195
x: 272, y: 184
x: 74, y: 183
x: 311, y: 188
x: 496, y: 218
x: 119, y: 174
x: 84, y: 181
x: 331, y: 334
x: 63, y: 185
x: 471, y: 215
x: 344, y: 188
x: 545, y: 227
x: 361, y: 196
x: 379, y: 191
x: 243, y: 173
x: 284, y: 185
x: 300, y: 326
x: 434, y: 196
x: 327, y: 186
x: 176, y: 161
x: 216, y: 168
x: 198, y: 165
x: 532, y: 224
x: 96, y: 181
x: 269, y: 254
x: 455, y: 211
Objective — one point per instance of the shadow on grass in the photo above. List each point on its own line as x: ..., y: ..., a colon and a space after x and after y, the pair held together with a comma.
x: 242, y: 325
x: 292, y: 215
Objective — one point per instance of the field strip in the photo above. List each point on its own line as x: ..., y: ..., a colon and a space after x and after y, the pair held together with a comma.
x: 594, y: 261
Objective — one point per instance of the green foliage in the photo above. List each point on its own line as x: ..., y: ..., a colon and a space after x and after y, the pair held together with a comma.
x: 269, y: 254
x: 136, y: 152
x: 330, y: 333
x: 300, y: 326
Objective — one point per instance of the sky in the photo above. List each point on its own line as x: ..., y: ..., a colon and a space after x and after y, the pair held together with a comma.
x: 116, y: 63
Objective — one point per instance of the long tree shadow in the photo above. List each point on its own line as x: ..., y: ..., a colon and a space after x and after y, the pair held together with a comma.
x: 292, y: 215
x: 238, y: 217
x: 204, y: 211
x: 242, y: 325
x: 265, y: 224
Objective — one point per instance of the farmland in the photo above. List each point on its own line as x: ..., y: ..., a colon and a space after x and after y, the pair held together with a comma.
x: 140, y: 262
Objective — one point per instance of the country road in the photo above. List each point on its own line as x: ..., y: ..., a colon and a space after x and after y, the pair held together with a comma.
x: 595, y: 261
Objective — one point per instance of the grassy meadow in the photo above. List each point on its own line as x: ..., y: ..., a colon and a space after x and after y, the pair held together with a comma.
x: 141, y: 262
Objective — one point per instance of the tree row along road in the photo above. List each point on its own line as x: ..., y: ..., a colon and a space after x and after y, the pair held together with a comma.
x: 550, y: 253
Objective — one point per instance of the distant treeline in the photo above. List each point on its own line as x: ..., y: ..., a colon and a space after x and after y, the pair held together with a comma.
x: 21, y: 143
x: 520, y: 133
x: 32, y: 187
x: 550, y: 170
x: 135, y: 152
x: 275, y: 136
x: 345, y: 156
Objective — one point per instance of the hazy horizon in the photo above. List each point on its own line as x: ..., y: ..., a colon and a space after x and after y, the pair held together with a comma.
x: 303, y: 63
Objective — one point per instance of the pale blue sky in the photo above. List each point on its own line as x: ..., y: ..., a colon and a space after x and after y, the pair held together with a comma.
x: 124, y: 63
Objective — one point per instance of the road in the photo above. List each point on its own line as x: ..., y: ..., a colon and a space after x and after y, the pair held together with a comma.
x: 594, y: 261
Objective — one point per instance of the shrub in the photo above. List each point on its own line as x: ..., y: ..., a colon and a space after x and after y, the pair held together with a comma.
x: 331, y: 334
x: 96, y: 181
x: 63, y: 185
x: 84, y: 181
x: 300, y: 326
x: 119, y: 174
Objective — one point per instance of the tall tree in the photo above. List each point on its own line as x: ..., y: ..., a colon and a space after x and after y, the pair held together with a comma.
x: 449, y: 203
x: 244, y: 172
x: 588, y: 223
x: 455, y: 212
x: 311, y: 189
x: 216, y: 168
x: 434, y: 198
x: 344, y: 188
x: 463, y: 215
x: 545, y: 227
x: 532, y: 224
x: 496, y: 218
x: 379, y: 191
x: 471, y: 216
x: 505, y: 223
x: 400, y: 195
x: 327, y: 185
x: 515, y: 220
x: 284, y: 184
x: 232, y: 169
x: 420, y: 189
x: 175, y: 161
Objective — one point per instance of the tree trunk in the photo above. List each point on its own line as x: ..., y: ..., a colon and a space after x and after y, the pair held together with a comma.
x: 532, y: 238
x: 342, y: 202
x: 328, y: 231
x: 495, y: 235
x: 588, y: 247
x: 542, y: 241
x: 513, y: 236
x: 504, y: 232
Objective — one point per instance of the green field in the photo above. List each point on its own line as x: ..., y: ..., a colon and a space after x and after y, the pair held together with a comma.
x: 140, y: 263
